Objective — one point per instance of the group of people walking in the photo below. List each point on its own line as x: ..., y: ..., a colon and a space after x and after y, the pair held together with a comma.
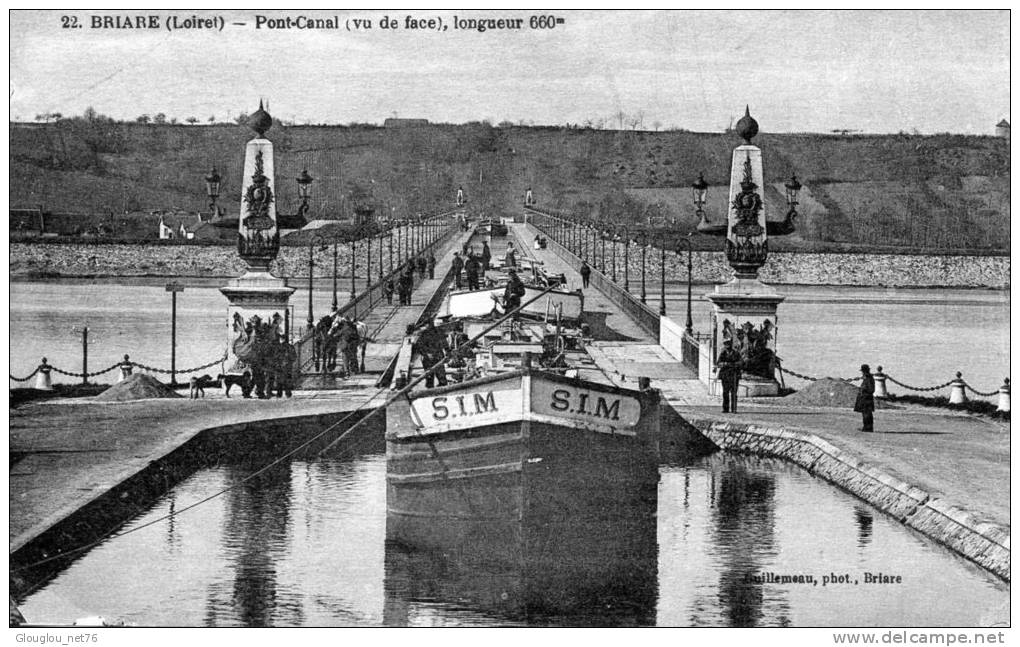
x: 403, y: 284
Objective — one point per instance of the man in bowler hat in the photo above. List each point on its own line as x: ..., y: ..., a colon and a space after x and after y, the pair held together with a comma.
x: 865, y: 402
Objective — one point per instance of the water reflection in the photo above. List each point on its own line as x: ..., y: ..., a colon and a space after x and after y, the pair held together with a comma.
x: 864, y: 519
x: 311, y: 544
x: 743, y: 503
x: 255, y: 533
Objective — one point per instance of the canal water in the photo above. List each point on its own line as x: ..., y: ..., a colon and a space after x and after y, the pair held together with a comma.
x: 725, y: 541
x: 822, y: 332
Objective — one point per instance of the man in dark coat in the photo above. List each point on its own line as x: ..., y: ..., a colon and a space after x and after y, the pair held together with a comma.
x: 729, y: 364
x: 865, y: 403
x: 486, y: 256
x: 458, y: 265
x: 388, y: 290
x: 513, y: 293
x: 585, y: 273
x: 471, y: 268
x: 406, y: 285
x: 287, y: 356
x: 422, y: 266
x: 432, y: 347
x: 349, y: 343
x: 432, y: 266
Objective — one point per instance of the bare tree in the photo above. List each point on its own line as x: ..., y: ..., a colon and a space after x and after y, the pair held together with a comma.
x: 656, y: 125
x: 191, y: 120
x: 143, y: 119
x: 160, y: 118
x: 620, y: 116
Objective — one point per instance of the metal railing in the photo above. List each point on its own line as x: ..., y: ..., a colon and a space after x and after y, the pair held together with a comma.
x: 366, y: 300
x: 645, y: 317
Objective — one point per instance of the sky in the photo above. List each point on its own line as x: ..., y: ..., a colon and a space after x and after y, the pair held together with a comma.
x: 800, y: 71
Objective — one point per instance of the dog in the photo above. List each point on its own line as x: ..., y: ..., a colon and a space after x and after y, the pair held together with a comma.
x: 227, y: 381
x: 198, y: 385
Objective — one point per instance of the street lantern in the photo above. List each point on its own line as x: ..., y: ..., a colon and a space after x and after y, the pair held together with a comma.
x: 304, y: 189
x: 792, y: 189
x: 304, y: 184
x: 699, y: 192
x: 212, y: 188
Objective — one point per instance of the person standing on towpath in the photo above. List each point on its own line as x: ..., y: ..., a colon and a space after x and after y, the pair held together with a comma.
x: 865, y: 403
x: 585, y: 273
x: 729, y: 365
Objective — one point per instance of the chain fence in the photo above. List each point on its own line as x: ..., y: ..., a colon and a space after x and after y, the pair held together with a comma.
x: 920, y: 389
x: 144, y: 367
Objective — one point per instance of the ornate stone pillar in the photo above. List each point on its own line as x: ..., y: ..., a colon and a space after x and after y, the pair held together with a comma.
x: 257, y: 299
x: 745, y: 308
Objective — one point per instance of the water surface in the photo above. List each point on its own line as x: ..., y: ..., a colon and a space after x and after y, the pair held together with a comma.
x: 306, y: 545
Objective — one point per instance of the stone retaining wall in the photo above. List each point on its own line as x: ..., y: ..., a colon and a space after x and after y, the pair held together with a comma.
x: 709, y: 267
x: 983, y: 542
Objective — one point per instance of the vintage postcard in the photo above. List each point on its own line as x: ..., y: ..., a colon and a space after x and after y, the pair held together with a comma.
x: 510, y: 318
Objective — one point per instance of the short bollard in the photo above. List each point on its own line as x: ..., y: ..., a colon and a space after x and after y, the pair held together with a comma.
x: 126, y: 367
x: 880, y: 378
x: 958, y: 394
x: 1004, y: 396
x: 42, y: 377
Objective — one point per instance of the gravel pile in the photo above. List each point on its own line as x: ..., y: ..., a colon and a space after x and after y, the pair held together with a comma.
x: 828, y: 392
x: 137, y: 387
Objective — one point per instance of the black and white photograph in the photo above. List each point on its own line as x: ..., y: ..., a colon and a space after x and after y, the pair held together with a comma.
x: 505, y: 318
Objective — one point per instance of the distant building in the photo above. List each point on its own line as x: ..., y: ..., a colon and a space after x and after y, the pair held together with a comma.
x: 179, y: 225
x: 393, y: 122
x: 1002, y: 129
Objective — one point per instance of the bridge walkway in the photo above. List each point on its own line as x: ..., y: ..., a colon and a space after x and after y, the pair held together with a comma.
x: 387, y: 324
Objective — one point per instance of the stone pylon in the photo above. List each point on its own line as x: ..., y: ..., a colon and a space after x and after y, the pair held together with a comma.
x: 745, y: 309
x: 258, y: 300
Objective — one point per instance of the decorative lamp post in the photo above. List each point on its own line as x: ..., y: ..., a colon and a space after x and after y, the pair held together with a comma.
x: 690, y: 250
x: 792, y: 190
x: 368, y: 260
x: 311, y: 267
x: 626, y: 259
x: 615, y: 237
x: 354, y: 256
x: 212, y: 189
x: 304, y: 189
x: 389, y: 244
x: 602, y: 244
x: 699, y: 193
x: 644, y: 250
x: 662, y: 283
x: 335, y: 270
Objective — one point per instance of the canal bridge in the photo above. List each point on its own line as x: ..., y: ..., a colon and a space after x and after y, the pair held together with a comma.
x: 78, y: 470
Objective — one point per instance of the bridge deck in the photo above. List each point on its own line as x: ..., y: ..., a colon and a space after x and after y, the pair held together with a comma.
x: 387, y: 324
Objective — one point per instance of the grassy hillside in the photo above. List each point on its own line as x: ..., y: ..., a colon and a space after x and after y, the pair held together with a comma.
x: 916, y: 193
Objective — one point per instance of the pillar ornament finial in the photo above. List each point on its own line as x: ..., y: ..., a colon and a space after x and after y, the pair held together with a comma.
x: 747, y: 127
x: 260, y: 121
